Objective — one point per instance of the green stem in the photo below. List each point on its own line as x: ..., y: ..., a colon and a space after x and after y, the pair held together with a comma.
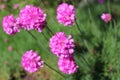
x: 49, y: 30
x: 34, y: 37
x: 78, y: 27
x: 54, y: 69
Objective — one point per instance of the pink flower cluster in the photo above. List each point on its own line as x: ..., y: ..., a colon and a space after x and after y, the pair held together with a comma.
x: 9, y: 25
x: 106, y: 17
x: 32, y: 17
x: 66, y: 14
x: 67, y: 65
x: 61, y: 45
x: 31, y: 61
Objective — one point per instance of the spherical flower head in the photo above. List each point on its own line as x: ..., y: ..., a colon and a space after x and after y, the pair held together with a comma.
x: 61, y: 45
x: 66, y: 14
x: 106, y: 17
x: 32, y: 17
x: 67, y: 65
x: 31, y: 61
x: 9, y: 25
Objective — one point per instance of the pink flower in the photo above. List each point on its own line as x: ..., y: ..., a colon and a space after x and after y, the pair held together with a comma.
x: 16, y: 6
x: 66, y: 14
x: 101, y: 1
x: 31, y: 61
x: 106, y: 17
x: 9, y: 25
x: 10, y: 48
x: 32, y: 17
x: 67, y: 65
x: 2, y: 6
x: 61, y: 45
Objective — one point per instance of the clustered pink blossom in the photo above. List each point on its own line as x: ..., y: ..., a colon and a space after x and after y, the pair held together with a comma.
x: 61, y: 45
x: 9, y: 25
x: 106, y: 17
x: 31, y: 61
x: 32, y: 17
x: 67, y: 65
x: 16, y: 6
x: 66, y: 14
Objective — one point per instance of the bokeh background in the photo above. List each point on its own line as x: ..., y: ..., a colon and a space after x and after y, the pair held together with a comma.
x: 102, y: 41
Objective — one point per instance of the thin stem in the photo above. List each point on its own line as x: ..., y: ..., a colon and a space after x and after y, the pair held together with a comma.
x: 78, y: 27
x: 40, y: 44
x: 54, y: 69
x: 34, y: 37
x: 45, y: 36
x: 49, y: 30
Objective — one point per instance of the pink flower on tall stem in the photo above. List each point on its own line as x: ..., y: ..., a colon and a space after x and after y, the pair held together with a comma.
x: 106, y: 17
x: 66, y: 14
x: 9, y: 25
x: 31, y: 61
x: 61, y: 45
x: 67, y: 65
x: 32, y: 17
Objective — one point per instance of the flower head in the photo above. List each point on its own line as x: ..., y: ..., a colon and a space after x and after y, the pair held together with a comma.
x: 66, y: 14
x: 67, y: 65
x: 9, y: 25
x: 16, y: 6
x: 32, y: 17
x: 2, y: 7
x: 31, y: 61
x: 61, y: 45
x: 106, y: 17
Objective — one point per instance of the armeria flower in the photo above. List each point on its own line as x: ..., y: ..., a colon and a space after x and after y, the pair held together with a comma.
x: 32, y: 17
x: 2, y: 7
x: 106, y: 17
x: 16, y: 6
x: 9, y: 25
x: 31, y: 61
x: 66, y: 14
x: 67, y: 65
x: 61, y: 45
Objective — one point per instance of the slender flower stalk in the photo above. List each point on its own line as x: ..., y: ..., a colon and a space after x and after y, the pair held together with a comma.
x: 49, y: 30
x: 78, y: 27
x: 34, y: 37
x: 54, y: 69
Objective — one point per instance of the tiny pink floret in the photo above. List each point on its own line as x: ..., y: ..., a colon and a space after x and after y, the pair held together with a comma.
x: 66, y: 14
x: 106, y: 17
x: 31, y: 61
x: 67, y: 65
x: 61, y: 45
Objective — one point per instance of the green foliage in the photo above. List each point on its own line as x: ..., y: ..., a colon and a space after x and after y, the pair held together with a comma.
x: 97, y: 51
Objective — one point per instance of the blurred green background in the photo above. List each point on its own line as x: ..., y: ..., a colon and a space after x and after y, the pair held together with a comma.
x: 99, y: 43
